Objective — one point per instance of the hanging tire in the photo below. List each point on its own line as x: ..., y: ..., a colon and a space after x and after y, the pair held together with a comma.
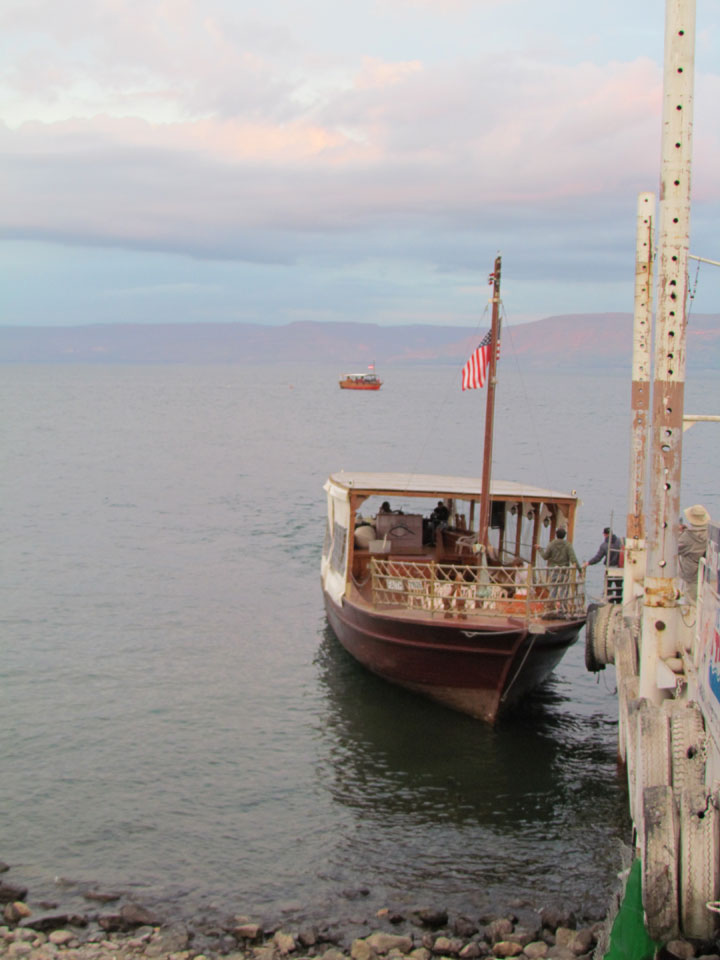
x: 602, y: 627
x: 626, y: 653
x: 660, y: 855
x: 688, y: 747
x: 613, y: 633
x: 699, y: 865
x: 594, y: 636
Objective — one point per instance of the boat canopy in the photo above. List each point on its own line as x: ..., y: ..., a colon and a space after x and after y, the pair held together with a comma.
x: 353, y: 483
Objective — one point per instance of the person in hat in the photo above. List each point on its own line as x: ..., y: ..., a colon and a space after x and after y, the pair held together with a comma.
x: 692, y: 544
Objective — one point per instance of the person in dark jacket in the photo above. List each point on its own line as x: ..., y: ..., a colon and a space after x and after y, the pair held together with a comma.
x: 615, y: 545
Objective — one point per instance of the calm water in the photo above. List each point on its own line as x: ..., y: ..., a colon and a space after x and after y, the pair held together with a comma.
x: 176, y: 720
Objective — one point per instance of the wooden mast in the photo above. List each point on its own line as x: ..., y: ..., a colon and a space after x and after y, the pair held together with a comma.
x: 490, y: 407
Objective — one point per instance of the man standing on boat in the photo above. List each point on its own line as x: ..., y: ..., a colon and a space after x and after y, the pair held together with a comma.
x: 559, y: 552
x: 560, y: 557
x: 615, y: 546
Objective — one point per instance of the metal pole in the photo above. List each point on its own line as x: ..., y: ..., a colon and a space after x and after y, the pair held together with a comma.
x: 490, y: 407
x: 662, y: 625
x: 634, y: 568
x: 640, y: 396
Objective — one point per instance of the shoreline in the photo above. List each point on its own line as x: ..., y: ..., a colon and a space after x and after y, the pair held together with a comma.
x: 114, y: 930
x: 114, y: 925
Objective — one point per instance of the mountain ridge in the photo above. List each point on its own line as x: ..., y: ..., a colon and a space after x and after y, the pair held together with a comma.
x: 565, y: 341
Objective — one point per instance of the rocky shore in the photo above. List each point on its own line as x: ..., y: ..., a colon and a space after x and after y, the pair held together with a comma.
x: 110, y: 930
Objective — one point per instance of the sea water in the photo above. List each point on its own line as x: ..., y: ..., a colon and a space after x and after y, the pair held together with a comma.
x: 176, y: 719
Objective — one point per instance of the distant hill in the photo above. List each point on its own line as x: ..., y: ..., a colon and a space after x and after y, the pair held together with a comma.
x: 589, y: 341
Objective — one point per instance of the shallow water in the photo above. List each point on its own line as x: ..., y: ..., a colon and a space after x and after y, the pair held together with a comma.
x: 176, y: 718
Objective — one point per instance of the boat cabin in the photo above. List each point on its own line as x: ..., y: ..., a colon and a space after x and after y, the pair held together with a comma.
x: 420, y: 529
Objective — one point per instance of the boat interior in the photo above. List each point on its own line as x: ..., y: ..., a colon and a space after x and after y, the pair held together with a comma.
x: 418, y: 554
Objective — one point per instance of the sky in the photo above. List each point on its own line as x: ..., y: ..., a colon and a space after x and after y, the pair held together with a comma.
x: 337, y: 160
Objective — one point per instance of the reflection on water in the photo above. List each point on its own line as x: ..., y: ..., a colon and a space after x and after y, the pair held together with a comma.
x: 494, y: 811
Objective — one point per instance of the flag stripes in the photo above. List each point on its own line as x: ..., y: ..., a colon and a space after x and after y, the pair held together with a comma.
x: 475, y: 370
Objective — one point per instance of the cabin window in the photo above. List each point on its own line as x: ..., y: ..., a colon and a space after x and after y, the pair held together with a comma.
x: 339, y: 548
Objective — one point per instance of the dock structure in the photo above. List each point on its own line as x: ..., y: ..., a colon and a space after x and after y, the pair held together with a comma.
x: 664, y: 642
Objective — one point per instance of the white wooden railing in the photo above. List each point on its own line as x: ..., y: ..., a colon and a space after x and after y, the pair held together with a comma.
x: 464, y: 590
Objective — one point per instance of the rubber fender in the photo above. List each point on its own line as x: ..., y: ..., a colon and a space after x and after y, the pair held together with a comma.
x: 660, y: 855
x: 688, y: 746
x: 699, y: 867
x: 652, y: 760
x: 602, y: 626
x: 591, y: 661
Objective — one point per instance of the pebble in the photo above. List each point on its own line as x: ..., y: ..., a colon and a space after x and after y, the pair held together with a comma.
x: 134, y: 933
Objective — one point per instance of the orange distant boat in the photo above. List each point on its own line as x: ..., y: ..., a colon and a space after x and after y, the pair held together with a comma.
x: 361, y: 381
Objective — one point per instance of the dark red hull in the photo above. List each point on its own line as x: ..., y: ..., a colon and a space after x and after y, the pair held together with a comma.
x: 479, y: 669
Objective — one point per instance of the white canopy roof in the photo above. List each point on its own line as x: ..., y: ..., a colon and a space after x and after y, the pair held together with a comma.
x: 438, y: 485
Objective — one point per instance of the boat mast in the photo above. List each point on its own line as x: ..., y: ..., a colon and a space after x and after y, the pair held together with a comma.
x: 490, y: 406
x: 661, y: 616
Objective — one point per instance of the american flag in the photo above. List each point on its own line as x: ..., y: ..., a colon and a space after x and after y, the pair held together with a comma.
x: 475, y: 370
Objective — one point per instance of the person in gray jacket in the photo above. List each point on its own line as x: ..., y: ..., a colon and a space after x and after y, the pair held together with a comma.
x: 692, y: 544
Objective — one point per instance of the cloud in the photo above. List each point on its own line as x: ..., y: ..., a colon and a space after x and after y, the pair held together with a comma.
x: 402, y: 143
x: 206, y: 130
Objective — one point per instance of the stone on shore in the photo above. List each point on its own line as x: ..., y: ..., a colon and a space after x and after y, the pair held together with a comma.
x: 61, y: 938
x: 498, y: 929
x: 557, y: 952
x: 554, y: 917
x: 16, y: 911
x: 464, y: 927
x: 172, y: 939
x: 507, y: 948
x: 385, y: 942
x: 361, y: 950
x: 432, y: 918
x: 447, y: 946
x: 473, y: 950
x: 10, y: 892
x: 680, y: 949
x: 536, y: 949
x: 285, y: 943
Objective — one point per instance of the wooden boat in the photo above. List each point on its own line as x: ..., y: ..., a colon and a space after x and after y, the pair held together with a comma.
x: 361, y: 381
x: 453, y: 603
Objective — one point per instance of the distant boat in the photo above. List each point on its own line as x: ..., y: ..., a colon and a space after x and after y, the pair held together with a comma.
x: 361, y: 381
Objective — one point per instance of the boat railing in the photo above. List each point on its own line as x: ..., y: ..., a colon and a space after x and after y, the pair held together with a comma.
x: 443, y: 589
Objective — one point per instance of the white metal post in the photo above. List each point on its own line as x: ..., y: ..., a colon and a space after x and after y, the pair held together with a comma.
x: 662, y: 627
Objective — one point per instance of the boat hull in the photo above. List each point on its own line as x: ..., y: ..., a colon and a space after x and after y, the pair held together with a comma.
x: 475, y: 666
x: 352, y: 385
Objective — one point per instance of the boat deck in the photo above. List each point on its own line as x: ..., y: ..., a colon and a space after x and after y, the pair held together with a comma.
x: 448, y: 584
